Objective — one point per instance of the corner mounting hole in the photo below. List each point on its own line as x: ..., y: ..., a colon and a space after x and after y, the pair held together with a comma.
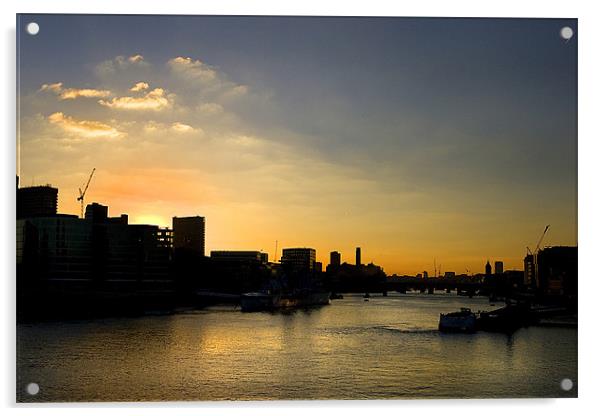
x: 33, y: 389
x: 566, y: 33
x: 32, y: 28
x: 566, y: 384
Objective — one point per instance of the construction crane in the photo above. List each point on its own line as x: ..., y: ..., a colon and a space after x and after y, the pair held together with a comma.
x: 541, y: 238
x: 82, y: 194
x: 536, y: 255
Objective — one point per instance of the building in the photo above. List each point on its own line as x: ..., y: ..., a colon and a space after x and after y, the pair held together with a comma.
x: 55, y: 248
x: 335, y: 259
x: 189, y: 234
x: 299, y: 259
x: 488, y: 269
x: 67, y: 248
x: 449, y: 275
x: 37, y: 201
x: 499, y: 267
x: 97, y: 213
x: 556, y: 271
x: 529, y: 273
x: 239, y: 256
x: 358, y: 256
x: 318, y: 267
x: 425, y: 274
x: 164, y: 236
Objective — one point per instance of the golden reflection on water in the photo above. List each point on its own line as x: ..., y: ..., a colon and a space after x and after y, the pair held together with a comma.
x: 385, y: 348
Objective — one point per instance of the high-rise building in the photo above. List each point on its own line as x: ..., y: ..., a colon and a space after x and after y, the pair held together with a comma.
x: 189, y: 234
x: 335, y: 259
x: 425, y: 274
x: 299, y: 259
x: 499, y: 267
x: 37, y: 201
x: 529, y: 276
x: 358, y: 256
x: 488, y: 269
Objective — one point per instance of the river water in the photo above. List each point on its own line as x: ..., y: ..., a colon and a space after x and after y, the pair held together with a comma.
x: 387, y: 347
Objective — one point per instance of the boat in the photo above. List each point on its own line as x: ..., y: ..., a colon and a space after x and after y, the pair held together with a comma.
x: 265, y: 301
x: 258, y: 301
x: 463, y: 321
x: 507, y: 319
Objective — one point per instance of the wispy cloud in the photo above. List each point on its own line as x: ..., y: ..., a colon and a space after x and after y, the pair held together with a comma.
x: 182, y: 128
x: 193, y: 69
x: 175, y: 127
x: 84, y: 128
x: 120, y: 62
x: 155, y: 100
x: 73, y: 93
x: 206, y: 77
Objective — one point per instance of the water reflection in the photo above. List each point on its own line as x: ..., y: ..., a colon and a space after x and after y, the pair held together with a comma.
x: 385, y: 348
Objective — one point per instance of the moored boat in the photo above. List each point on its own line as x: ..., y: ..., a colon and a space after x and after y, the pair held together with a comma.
x: 463, y: 321
x: 264, y: 301
x: 258, y: 301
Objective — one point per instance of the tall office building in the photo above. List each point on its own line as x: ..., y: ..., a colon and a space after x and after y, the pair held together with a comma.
x: 335, y: 259
x: 358, y: 256
x: 299, y: 259
x: 37, y: 201
x: 189, y: 233
x: 499, y: 267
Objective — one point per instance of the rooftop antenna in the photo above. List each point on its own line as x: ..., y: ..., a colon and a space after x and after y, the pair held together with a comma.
x: 82, y: 194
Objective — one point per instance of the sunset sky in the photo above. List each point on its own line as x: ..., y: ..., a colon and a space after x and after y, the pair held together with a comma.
x: 415, y: 139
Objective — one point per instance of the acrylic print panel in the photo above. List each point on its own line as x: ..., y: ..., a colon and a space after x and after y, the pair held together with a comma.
x: 278, y: 208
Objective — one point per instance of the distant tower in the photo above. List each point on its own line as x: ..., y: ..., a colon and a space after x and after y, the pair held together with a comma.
x: 358, y: 256
x: 425, y: 274
x: 499, y: 267
x: 488, y: 269
x: 335, y: 258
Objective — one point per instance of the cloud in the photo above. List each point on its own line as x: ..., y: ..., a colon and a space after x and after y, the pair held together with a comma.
x: 181, y: 127
x: 139, y: 86
x: 84, y: 128
x: 193, y: 69
x: 73, y: 93
x: 209, y: 78
x: 136, y: 59
x: 210, y: 108
x: 56, y: 87
x: 155, y: 100
x: 120, y: 62
x: 176, y: 127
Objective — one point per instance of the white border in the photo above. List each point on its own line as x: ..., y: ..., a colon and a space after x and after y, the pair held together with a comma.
x: 590, y: 207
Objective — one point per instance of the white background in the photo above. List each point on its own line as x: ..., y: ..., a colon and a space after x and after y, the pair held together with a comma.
x: 590, y: 209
